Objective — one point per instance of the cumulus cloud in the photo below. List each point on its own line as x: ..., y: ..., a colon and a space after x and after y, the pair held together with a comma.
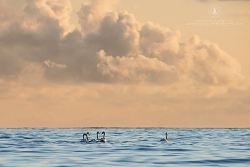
x: 91, y: 14
x: 110, y: 47
x: 156, y: 41
x: 118, y: 34
x: 207, y: 64
x: 60, y: 10
x: 136, y: 68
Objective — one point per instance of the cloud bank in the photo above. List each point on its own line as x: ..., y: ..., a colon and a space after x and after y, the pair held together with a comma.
x: 109, y: 69
x: 109, y: 47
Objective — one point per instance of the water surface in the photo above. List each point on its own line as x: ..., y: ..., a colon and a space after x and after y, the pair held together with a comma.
x: 125, y: 147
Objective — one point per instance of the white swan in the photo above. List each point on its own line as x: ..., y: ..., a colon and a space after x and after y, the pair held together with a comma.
x: 103, y: 139
x: 97, y: 136
x: 166, y: 137
x: 85, y: 138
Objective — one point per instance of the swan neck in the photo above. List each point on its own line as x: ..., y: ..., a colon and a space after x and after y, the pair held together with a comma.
x: 85, y: 135
x: 104, y: 135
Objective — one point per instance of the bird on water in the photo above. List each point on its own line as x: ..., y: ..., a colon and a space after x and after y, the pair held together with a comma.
x: 166, y: 137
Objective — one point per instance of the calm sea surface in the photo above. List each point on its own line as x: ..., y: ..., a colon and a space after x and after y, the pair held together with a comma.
x: 125, y: 147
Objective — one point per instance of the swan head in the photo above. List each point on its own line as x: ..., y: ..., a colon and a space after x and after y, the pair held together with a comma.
x: 87, y: 135
x: 166, y: 135
x: 103, y: 133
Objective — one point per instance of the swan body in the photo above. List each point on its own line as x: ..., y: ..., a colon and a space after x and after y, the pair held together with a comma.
x: 166, y: 138
x: 92, y: 140
x: 103, y: 139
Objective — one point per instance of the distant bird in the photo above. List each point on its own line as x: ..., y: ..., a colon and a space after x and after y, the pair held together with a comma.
x: 166, y: 137
x: 103, y: 139
x: 85, y: 138
x: 97, y: 137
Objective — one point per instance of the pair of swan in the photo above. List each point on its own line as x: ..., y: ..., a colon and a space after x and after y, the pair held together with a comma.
x: 85, y: 138
x: 166, y: 137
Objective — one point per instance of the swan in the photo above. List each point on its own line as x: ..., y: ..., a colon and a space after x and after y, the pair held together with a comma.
x: 97, y: 135
x: 86, y: 140
x: 166, y: 138
x: 103, y: 139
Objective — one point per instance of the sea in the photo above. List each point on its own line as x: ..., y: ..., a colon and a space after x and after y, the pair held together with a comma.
x: 39, y: 147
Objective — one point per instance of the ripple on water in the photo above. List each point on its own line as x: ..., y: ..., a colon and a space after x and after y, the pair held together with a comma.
x: 125, y: 147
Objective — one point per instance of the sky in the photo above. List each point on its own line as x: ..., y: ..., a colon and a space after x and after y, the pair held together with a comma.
x: 124, y: 63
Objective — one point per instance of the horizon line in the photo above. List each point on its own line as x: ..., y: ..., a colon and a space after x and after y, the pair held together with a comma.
x: 120, y: 127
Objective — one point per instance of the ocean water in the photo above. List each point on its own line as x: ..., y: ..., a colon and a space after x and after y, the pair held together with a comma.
x: 125, y: 147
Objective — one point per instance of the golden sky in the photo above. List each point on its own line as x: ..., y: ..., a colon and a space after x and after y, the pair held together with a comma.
x: 124, y: 63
